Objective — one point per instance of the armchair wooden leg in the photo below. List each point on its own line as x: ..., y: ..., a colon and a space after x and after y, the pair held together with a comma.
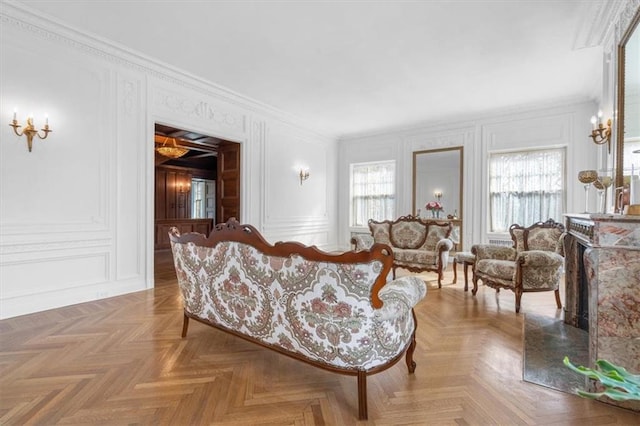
x: 558, y: 302
x: 475, y: 285
x: 185, y: 325
x: 455, y: 271
x: 466, y: 276
x: 411, y: 364
x: 518, y: 298
x: 362, y: 395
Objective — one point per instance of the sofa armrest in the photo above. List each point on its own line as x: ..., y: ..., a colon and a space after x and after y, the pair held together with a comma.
x: 444, y: 244
x: 539, y: 258
x: 560, y: 244
x: 490, y: 251
x: 400, y: 295
x: 362, y: 241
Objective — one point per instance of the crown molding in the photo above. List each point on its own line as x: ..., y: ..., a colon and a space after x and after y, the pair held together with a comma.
x: 598, y: 21
x: 13, y: 13
x: 464, y: 121
x: 602, y: 19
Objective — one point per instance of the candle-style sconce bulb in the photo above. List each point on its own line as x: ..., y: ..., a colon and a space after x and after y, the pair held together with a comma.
x: 29, y: 131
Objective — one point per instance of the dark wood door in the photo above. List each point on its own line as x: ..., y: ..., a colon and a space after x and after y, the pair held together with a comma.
x: 228, y: 182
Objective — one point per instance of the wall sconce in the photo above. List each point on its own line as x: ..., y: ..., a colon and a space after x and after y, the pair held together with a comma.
x: 182, y: 187
x: 601, y: 134
x: 304, y: 175
x: 438, y: 195
x: 29, y: 130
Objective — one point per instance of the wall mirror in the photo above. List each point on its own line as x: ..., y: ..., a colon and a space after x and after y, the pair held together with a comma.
x: 628, y: 125
x: 437, y: 176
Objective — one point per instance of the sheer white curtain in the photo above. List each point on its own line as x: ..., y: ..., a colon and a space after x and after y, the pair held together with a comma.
x: 372, y: 192
x: 526, y: 187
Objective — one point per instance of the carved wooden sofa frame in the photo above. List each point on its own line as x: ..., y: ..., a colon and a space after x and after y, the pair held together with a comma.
x: 237, y: 282
x: 418, y: 245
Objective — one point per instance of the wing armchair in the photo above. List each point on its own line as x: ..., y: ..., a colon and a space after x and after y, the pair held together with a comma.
x: 534, y: 263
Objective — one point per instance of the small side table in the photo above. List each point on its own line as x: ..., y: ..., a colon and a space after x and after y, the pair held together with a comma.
x: 467, y: 259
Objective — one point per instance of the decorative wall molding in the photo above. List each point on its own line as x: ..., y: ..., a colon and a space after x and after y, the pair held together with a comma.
x: 129, y: 196
x: 90, y: 213
x: 626, y: 15
x: 466, y: 120
x: 199, y: 109
x: 51, y: 246
x: 134, y: 92
x: 52, y: 264
x: 17, y: 15
x: 130, y: 97
x: 597, y: 22
x: 438, y: 139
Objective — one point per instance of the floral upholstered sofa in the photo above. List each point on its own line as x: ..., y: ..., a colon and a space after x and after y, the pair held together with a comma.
x: 534, y: 263
x: 336, y: 312
x: 417, y: 244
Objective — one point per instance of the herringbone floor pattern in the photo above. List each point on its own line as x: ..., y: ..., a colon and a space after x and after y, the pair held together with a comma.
x: 122, y: 361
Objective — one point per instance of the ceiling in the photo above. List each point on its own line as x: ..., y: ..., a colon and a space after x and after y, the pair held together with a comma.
x: 352, y: 67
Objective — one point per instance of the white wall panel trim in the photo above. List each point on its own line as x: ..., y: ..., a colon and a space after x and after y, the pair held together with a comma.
x: 51, y: 246
x: 23, y: 305
x: 86, y: 274
x: 13, y: 13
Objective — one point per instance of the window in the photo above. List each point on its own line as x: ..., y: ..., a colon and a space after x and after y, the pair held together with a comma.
x: 373, y: 188
x: 526, y: 187
x: 203, y: 198
x: 198, y: 189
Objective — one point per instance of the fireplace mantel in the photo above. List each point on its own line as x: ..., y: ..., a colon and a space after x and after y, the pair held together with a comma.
x: 603, y: 253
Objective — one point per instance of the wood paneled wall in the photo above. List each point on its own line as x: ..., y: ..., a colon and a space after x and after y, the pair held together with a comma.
x: 173, y: 205
x: 173, y: 194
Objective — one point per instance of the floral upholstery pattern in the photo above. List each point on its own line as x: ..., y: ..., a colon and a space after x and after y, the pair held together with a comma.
x: 434, y: 236
x: 533, y: 264
x: 408, y: 234
x: 415, y: 257
x: 380, y: 232
x: 498, y: 269
x: 362, y: 241
x: 547, y: 239
x: 321, y: 310
x: 488, y: 251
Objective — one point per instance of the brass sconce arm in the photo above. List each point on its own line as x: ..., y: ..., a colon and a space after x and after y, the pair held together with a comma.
x: 304, y: 175
x: 602, y: 134
x: 30, y: 131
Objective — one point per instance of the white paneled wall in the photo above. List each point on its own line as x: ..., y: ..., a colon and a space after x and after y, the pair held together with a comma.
x: 77, y: 212
x: 555, y: 125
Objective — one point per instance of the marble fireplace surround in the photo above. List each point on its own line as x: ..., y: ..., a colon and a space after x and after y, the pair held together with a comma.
x: 610, y: 264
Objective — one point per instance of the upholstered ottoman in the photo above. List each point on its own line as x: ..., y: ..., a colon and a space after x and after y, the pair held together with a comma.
x: 467, y: 259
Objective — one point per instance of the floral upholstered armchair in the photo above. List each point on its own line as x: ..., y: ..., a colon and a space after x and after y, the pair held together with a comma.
x: 534, y: 263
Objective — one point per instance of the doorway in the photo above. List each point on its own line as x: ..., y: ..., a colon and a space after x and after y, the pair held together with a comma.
x: 197, y: 184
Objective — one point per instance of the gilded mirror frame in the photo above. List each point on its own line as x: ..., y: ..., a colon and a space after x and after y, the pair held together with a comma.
x: 460, y: 150
x: 619, y: 153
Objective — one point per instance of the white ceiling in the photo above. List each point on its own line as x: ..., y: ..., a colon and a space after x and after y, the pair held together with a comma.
x: 350, y: 67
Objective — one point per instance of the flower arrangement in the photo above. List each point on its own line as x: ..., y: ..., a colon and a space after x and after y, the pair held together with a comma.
x: 435, y: 207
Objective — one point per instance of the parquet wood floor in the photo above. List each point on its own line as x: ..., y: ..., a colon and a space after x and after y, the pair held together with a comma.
x: 122, y: 361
